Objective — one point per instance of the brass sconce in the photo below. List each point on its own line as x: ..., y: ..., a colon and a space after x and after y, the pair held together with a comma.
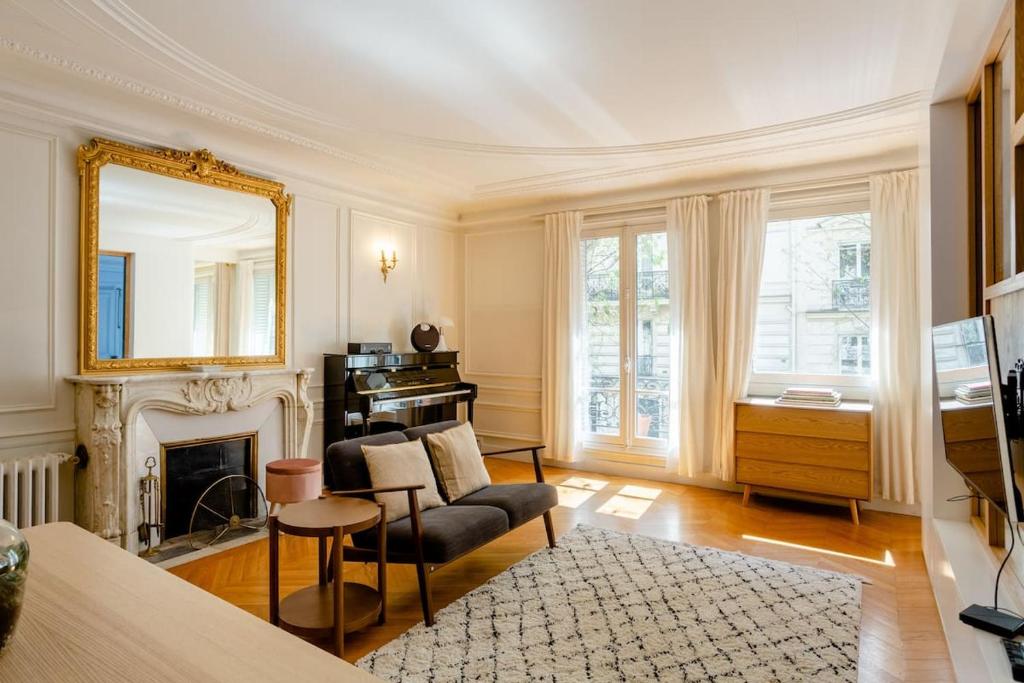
x: 387, y: 266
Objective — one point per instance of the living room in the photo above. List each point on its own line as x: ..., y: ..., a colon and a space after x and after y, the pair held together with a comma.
x: 589, y: 340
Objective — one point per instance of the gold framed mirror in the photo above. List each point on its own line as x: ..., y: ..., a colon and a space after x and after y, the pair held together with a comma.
x: 182, y: 261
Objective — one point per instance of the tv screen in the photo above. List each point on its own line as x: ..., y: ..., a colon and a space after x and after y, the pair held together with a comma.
x: 973, y: 419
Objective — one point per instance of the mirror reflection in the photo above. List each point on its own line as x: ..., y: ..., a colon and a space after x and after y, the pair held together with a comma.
x: 185, y: 269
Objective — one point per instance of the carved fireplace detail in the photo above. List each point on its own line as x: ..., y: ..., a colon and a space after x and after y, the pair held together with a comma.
x: 109, y: 407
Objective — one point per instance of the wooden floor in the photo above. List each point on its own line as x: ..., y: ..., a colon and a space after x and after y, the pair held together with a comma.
x: 901, y: 636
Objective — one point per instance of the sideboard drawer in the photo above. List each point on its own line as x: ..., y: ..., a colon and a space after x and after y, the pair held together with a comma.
x: 805, y: 478
x: 811, y: 422
x: 804, y: 450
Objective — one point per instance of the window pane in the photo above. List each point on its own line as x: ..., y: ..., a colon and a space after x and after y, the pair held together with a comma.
x: 814, y: 312
x: 602, y: 344
x: 652, y: 335
x: 959, y: 345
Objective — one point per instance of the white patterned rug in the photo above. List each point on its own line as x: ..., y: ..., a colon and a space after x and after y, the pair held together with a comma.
x: 608, y: 606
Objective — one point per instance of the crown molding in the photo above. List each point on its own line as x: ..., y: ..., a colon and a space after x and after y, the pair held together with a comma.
x: 192, y: 65
x: 788, y: 184
x: 300, y: 184
x: 192, y: 106
x: 533, y: 184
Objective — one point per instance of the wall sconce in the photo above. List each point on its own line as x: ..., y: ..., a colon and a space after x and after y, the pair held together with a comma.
x: 387, y: 266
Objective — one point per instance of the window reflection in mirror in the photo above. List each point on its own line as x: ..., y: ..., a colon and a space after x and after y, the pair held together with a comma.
x: 186, y: 270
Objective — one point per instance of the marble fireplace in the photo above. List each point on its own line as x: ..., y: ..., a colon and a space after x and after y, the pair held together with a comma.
x: 124, y: 420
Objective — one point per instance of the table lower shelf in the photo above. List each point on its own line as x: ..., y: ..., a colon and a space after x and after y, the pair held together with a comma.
x: 310, y: 611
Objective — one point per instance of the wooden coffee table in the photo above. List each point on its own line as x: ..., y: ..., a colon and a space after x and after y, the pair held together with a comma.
x: 314, y: 611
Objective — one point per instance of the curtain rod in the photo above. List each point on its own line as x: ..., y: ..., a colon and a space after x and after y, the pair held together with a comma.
x: 820, y: 183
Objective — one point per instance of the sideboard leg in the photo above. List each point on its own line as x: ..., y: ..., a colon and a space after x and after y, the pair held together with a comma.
x: 746, y: 495
x: 854, y: 512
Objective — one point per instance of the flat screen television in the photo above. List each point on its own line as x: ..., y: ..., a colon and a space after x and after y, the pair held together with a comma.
x: 976, y: 434
x: 974, y: 423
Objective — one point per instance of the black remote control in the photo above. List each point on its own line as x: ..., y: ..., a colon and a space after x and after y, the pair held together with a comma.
x: 1015, y: 653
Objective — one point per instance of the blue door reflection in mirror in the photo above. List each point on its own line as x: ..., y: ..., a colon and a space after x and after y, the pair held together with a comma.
x: 112, y: 305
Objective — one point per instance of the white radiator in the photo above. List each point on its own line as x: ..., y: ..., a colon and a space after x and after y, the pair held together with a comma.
x: 29, y: 489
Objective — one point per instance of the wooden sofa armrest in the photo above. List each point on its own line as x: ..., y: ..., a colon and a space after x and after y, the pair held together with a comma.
x: 381, y: 489
x: 535, y: 450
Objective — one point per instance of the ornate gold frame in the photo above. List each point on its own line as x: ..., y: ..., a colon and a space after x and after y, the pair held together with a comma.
x: 199, y: 166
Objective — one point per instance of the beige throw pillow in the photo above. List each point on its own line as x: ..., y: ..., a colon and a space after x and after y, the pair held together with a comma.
x: 460, y: 467
x: 401, y: 464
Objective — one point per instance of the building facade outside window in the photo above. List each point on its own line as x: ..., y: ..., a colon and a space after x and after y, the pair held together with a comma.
x: 814, y: 306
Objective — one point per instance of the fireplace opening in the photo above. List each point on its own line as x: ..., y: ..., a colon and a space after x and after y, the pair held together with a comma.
x: 188, y: 468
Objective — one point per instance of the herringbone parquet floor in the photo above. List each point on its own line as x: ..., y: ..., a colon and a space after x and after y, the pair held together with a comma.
x: 901, y: 636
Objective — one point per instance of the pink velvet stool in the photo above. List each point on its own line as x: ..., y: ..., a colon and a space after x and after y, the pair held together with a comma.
x: 294, y: 480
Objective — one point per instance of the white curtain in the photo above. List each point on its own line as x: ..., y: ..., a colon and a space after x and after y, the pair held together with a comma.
x: 243, y: 310
x: 560, y: 376
x: 895, y: 319
x: 743, y: 219
x: 692, y: 346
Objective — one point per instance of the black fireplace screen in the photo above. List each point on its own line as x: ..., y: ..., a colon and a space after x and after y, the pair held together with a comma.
x: 190, y: 468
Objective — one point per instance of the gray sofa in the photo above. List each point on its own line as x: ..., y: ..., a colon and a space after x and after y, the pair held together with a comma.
x: 432, y: 538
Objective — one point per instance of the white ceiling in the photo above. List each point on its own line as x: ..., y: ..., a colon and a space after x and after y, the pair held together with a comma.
x: 491, y: 102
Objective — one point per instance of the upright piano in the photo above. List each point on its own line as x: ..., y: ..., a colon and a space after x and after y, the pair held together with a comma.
x: 419, y: 388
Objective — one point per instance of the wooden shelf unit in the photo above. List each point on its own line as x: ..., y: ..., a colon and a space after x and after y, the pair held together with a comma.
x: 818, y: 453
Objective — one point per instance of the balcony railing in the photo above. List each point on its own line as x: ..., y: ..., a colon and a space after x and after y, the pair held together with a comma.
x: 650, y: 284
x: 851, y: 295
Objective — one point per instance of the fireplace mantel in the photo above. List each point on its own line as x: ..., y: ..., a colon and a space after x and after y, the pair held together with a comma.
x: 107, y: 408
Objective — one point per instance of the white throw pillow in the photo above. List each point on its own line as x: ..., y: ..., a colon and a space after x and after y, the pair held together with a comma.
x: 460, y: 467
x: 401, y: 464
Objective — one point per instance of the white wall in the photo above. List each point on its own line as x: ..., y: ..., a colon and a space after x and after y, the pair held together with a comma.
x: 335, y: 291
x: 503, y: 327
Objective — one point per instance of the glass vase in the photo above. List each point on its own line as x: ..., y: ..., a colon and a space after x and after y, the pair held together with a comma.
x: 13, y: 572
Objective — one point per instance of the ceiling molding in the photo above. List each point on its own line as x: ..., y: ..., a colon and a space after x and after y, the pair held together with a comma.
x: 312, y: 186
x: 195, y: 107
x: 882, y: 109
x: 538, y: 183
x: 195, y: 65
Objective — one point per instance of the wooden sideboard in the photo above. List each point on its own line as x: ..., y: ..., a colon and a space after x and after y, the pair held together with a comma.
x: 820, y: 453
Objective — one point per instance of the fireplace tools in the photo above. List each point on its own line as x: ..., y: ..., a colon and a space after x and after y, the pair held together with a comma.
x: 151, y: 527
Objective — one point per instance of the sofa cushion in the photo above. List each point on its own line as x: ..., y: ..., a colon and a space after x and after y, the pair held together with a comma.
x: 345, y: 466
x: 521, y: 502
x: 448, y: 532
x: 401, y: 464
x: 457, y: 461
x: 418, y: 432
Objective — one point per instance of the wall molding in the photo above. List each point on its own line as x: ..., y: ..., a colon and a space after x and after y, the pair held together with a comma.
x: 507, y: 407
x: 51, y: 272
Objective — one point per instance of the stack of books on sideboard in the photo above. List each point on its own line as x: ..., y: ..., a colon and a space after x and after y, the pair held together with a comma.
x: 974, y: 393
x: 810, y: 396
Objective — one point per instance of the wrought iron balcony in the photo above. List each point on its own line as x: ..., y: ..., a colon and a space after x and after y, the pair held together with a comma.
x: 851, y: 295
x: 650, y: 284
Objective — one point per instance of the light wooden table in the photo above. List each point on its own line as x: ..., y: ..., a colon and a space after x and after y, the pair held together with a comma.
x: 94, y: 612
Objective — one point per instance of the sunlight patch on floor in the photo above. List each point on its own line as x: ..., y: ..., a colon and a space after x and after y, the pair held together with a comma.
x: 645, y: 492
x: 626, y: 506
x: 584, y: 483
x: 887, y: 560
x: 569, y: 497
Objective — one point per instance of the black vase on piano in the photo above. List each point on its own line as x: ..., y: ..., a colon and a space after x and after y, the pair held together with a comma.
x: 419, y: 388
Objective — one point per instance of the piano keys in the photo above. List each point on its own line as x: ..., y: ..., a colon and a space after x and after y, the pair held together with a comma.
x: 419, y: 388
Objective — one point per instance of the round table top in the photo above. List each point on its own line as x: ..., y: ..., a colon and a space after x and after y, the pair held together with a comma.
x: 321, y: 516
x: 294, y: 466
